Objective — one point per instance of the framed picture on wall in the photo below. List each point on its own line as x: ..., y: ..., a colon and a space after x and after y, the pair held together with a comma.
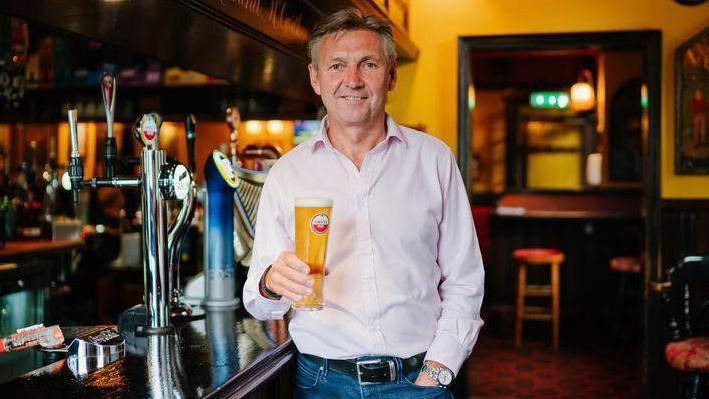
x: 692, y: 105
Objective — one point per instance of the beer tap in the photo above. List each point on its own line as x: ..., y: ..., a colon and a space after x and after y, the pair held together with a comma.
x: 76, y: 166
x: 180, y: 226
x: 110, y: 151
x: 159, y: 182
x: 190, y: 132
x: 221, y: 181
x: 233, y: 119
x: 74, y: 179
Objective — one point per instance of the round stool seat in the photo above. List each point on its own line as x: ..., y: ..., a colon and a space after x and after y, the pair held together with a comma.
x: 538, y: 255
x: 689, y: 355
x: 626, y: 264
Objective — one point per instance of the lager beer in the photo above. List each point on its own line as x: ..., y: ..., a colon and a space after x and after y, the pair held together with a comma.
x: 312, y: 225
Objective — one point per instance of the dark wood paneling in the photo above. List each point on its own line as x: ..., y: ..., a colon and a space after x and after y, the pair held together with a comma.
x: 684, y: 232
x: 589, y: 244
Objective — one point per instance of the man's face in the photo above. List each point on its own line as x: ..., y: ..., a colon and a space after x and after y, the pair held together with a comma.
x: 352, y: 77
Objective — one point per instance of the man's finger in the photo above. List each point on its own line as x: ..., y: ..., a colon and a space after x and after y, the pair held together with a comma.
x: 294, y: 262
x: 297, y: 276
x: 289, y: 294
x: 285, y: 283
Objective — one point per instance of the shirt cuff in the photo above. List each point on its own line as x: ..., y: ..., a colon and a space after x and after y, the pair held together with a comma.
x: 446, y: 350
x: 262, y: 307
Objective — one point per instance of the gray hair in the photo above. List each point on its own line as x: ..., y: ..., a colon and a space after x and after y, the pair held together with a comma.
x: 349, y: 19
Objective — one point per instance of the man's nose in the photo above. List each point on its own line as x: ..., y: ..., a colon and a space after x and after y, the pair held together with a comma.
x: 353, y: 78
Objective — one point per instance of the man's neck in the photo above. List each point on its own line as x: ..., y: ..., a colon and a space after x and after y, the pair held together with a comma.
x: 355, y: 141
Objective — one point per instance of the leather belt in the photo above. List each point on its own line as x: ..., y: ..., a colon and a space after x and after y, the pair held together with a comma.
x: 371, y: 371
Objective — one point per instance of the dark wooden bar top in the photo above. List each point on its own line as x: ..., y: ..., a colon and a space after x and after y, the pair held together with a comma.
x: 569, y: 206
x: 225, y: 354
x: 17, y: 249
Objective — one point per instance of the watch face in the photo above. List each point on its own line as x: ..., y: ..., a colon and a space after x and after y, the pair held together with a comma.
x: 445, y: 377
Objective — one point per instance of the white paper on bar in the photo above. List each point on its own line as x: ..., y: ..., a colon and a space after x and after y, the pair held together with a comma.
x: 511, y: 210
x: 594, y: 169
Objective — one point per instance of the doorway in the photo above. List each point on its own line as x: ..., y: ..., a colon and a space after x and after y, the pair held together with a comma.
x: 545, y: 149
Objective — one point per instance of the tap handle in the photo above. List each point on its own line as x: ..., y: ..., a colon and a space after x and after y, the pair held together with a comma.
x: 110, y: 151
x: 108, y: 92
x: 190, y: 131
x: 147, y: 128
x: 73, y: 133
x: 233, y: 119
x: 76, y: 168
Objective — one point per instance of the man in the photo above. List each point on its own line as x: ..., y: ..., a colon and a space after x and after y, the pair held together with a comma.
x: 404, y: 280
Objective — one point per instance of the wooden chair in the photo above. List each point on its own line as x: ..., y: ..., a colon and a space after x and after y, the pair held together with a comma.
x: 687, y: 305
x: 543, y: 257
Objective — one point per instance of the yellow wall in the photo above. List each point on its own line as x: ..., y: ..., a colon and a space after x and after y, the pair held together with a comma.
x: 427, y: 94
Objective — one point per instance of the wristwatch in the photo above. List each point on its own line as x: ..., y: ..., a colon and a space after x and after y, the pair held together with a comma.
x: 441, y: 375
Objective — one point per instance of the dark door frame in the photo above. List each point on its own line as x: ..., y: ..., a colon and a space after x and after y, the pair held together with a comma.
x: 650, y: 43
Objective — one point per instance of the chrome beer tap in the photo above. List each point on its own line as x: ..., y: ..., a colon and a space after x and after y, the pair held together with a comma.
x: 159, y: 182
x: 180, y: 226
x: 110, y: 151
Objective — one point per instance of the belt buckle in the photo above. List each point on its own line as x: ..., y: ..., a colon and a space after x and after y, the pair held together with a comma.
x: 392, y: 370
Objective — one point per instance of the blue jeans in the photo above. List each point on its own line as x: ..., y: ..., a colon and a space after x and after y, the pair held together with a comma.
x: 315, y: 381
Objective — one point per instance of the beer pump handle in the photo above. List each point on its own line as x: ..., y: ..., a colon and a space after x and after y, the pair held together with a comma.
x: 190, y: 131
x: 233, y: 119
x: 108, y: 92
x: 147, y: 128
x: 73, y: 133
x: 76, y: 168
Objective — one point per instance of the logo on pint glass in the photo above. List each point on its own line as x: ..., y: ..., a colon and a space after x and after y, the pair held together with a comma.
x: 319, y: 223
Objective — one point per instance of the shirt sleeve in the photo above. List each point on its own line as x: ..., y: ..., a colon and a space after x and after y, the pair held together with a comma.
x: 462, y: 274
x: 271, y: 239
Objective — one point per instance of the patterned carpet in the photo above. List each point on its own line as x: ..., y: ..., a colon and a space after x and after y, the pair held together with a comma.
x: 579, y: 371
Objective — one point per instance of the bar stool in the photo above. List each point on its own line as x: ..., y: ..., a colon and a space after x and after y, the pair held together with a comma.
x: 628, y: 270
x: 543, y: 257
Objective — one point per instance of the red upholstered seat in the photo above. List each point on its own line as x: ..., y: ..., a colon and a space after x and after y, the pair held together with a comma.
x: 626, y: 264
x: 538, y: 255
x: 481, y: 218
x: 690, y: 355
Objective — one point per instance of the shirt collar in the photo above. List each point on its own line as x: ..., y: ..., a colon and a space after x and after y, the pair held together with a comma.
x: 321, y: 140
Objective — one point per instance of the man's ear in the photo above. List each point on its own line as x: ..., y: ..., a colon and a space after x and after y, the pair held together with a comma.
x: 392, y: 77
x: 314, y: 81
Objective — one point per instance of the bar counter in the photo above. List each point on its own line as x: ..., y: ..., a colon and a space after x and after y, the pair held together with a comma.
x: 225, y: 354
x: 34, y: 248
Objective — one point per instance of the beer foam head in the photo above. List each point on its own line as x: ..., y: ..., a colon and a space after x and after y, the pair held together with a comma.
x: 313, y: 202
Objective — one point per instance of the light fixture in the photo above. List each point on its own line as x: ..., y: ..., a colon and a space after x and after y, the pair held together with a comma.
x: 471, y: 97
x: 583, y: 97
x: 253, y: 127
x: 274, y: 127
x: 643, y: 96
x: 549, y: 99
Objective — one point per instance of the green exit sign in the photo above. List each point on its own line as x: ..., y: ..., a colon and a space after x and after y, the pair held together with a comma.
x: 549, y: 99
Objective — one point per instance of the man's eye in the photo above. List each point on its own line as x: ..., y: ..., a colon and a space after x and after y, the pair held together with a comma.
x: 370, y: 65
x: 336, y: 67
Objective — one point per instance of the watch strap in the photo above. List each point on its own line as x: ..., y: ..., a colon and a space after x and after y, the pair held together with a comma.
x: 264, y: 289
x: 434, y: 372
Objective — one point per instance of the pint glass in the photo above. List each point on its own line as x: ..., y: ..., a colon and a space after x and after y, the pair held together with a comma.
x: 312, y: 227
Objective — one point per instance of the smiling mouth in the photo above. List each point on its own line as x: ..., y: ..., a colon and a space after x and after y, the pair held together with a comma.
x: 353, y: 98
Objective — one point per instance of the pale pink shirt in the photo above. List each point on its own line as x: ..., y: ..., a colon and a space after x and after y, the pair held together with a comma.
x: 405, y: 271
